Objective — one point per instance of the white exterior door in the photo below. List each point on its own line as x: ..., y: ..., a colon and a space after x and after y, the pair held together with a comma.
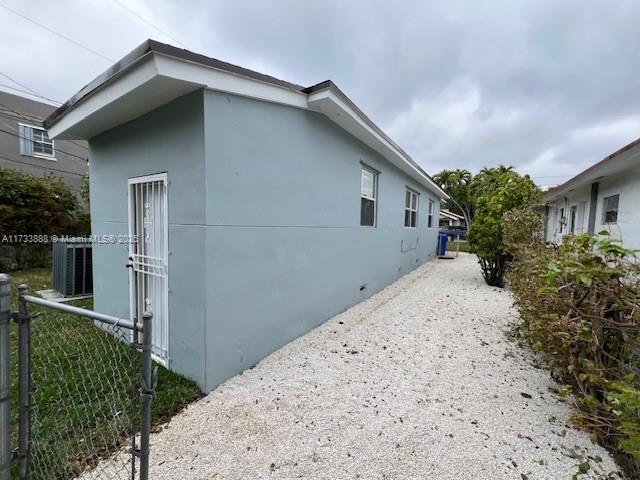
x: 148, y: 257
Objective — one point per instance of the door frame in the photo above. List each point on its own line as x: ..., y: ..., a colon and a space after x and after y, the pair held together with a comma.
x: 165, y: 218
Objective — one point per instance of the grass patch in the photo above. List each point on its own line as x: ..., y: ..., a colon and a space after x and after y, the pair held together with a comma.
x: 82, y: 387
x: 452, y: 246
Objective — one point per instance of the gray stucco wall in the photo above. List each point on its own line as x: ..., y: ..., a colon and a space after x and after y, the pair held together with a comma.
x: 284, y: 246
x: 264, y: 225
x: 169, y: 139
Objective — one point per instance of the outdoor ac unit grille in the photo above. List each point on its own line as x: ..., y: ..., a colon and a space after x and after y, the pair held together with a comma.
x: 72, y: 269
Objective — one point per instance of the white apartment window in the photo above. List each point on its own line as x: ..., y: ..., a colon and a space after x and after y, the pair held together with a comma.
x: 430, y: 217
x: 35, y: 142
x: 368, y: 196
x: 410, y: 208
x: 610, y: 209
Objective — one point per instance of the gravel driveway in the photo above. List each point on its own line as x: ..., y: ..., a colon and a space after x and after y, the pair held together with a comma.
x: 420, y: 381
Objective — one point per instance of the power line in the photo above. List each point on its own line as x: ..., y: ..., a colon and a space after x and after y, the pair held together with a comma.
x: 551, y: 176
x: 70, y: 40
x: 4, y: 85
x: 54, y: 149
x: 14, y: 115
x: 42, y: 167
x: 30, y: 90
x: 140, y: 17
x: 38, y: 119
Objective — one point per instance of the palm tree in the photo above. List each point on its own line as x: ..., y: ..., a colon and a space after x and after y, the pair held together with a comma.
x: 457, y: 183
x: 489, y: 178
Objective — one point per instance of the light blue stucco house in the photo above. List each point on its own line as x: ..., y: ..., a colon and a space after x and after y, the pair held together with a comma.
x: 257, y: 208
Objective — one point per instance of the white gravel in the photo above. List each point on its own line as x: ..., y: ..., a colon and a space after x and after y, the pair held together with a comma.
x: 420, y: 381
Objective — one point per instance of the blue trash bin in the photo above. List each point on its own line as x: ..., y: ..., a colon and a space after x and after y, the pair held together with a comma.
x: 442, y: 243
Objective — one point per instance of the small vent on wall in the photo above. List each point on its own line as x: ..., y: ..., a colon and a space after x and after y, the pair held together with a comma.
x: 363, y: 287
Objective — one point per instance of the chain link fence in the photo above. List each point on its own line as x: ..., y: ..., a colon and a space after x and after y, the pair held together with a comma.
x: 80, y: 393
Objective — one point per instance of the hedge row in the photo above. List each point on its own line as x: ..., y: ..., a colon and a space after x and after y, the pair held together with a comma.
x: 31, y: 205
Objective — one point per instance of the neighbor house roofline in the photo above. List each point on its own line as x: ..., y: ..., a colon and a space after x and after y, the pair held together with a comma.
x: 450, y: 214
x: 158, y: 70
x: 573, y: 182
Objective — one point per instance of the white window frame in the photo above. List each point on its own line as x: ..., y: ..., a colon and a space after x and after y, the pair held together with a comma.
x: 47, y: 156
x: 412, y: 195
x: 430, y: 213
x: 374, y: 198
x: 605, y: 210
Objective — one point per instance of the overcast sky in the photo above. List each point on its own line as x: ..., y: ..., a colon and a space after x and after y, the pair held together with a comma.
x: 547, y: 86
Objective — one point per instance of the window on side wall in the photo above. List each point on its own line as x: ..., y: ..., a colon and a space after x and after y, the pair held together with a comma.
x: 572, y: 219
x: 430, y: 217
x: 368, y: 197
x: 35, y: 142
x: 610, y: 209
x: 410, y: 208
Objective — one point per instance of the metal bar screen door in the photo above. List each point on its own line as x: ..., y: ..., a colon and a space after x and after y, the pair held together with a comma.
x: 148, y: 256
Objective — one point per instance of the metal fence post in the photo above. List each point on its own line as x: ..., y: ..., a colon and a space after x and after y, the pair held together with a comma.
x: 147, y: 393
x: 5, y: 377
x: 24, y: 389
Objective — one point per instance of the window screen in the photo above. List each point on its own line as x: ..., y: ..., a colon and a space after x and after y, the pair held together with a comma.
x: 368, y: 194
x: 35, y: 141
x: 430, y: 217
x: 610, y: 209
x: 410, y: 208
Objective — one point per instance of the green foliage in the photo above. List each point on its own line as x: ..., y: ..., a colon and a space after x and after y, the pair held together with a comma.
x: 84, y: 190
x: 81, y: 376
x: 31, y: 205
x: 500, y: 191
x: 579, y: 306
x: 457, y: 184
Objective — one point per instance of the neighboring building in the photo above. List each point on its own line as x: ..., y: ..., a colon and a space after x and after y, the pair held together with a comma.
x: 25, y: 145
x: 449, y: 219
x: 603, y: 197
x: 263, y: 208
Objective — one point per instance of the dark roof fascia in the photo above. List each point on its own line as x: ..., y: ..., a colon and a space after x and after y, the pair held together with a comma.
x: 572, y: 181
x: 115, y: 69
x: 153, y: 46
x: 329, y: 85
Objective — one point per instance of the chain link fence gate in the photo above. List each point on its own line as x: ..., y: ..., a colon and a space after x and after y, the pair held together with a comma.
x: 76, y: 388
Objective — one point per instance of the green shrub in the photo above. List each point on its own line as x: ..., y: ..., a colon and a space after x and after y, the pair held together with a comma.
x: 508, y: 191
x: 31, y: 205
x: 579, y: 306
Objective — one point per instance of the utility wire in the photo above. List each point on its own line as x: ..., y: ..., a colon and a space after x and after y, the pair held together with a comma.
x: 54, y: 149
x: 31, y: 91
x: 551, y: 176
x: 70, y: 40
x: 21, y: 90
x: 141, y: 18
x: 37, y: 119
x: 11, y: 113
x: 42, y: 167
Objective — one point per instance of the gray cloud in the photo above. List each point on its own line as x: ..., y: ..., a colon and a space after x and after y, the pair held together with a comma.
x: 546, y: 86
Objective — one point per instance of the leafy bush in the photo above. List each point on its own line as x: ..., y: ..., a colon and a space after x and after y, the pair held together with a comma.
x: 505, y: 192
x: 579, y: 306
x: 31, y: 205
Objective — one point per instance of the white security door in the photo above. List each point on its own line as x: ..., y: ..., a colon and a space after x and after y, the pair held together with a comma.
x: 148, y: 257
